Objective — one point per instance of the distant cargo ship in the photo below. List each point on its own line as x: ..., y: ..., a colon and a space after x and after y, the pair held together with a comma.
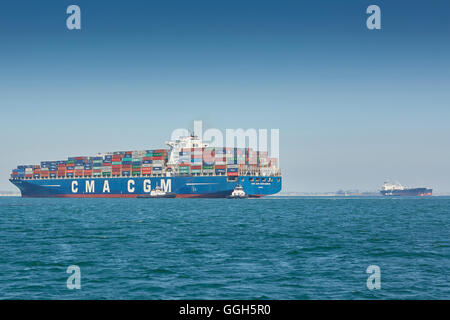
x: 389, y: 189
x: 188, y: 169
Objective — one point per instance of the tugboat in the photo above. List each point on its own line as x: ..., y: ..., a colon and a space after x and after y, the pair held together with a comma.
x: 158, y: 193
x: 238, y: 193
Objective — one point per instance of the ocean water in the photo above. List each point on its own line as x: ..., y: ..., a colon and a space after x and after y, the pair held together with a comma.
x: 272, y: 248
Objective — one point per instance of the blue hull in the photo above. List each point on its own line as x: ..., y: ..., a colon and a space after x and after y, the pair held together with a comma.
x: 130, y: 187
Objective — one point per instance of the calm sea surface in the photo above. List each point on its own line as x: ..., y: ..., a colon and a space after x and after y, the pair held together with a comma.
x: 272, y: 248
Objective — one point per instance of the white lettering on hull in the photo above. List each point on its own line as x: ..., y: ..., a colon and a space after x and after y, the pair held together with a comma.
x: 166, y: 185
x: 74, y: 186
x: 90, y: 186
x: 147, y: 185
x: 130, y: 186
x: 106, y: 187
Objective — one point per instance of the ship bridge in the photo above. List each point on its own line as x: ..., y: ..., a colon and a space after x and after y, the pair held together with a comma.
x: 181, y: 143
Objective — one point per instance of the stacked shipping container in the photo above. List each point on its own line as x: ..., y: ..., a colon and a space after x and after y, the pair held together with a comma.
x: 194, y: 161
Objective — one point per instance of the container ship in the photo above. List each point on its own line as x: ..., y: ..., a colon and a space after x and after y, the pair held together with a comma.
x: 389, y: 189
x: 189, y: 168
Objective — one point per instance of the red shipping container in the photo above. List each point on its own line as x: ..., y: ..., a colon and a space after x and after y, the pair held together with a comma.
x: 221, y: 166
x: 157, y: 158
x: 232, y: 174
x: 209, y: 155
x: 196, y: 167
x: 87, y: 172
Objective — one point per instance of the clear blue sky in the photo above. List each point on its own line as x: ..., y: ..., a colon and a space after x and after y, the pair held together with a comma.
x: 354, y: 107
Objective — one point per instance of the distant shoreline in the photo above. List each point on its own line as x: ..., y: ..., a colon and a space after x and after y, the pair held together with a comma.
x: 289, y: 194
x: 331, y: 194
x: 9, y: 194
